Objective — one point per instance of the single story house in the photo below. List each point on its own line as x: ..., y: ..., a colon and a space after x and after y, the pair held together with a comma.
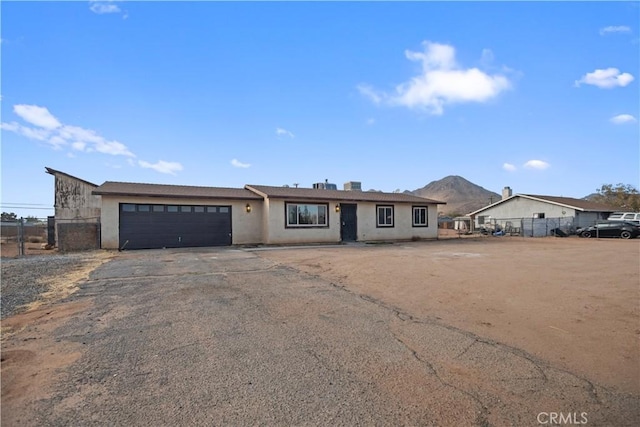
x: 537, y: 214
x: 136, y: 216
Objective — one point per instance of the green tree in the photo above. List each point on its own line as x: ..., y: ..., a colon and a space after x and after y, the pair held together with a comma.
x: 32, y: 219
x: 624, y: 197
x: 9, y: 216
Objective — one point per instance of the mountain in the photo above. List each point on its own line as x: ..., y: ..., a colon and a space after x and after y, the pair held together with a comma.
x: 462, y: 196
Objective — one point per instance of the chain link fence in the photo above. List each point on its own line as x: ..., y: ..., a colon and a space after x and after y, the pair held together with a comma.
x: 527, y: 227
x: 37, y: 236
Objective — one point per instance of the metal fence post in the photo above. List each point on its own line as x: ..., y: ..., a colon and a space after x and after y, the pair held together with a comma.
x: 21, y: 237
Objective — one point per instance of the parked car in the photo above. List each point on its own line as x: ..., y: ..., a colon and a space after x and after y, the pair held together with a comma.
x: 622, y: 229
x: 625, y: 216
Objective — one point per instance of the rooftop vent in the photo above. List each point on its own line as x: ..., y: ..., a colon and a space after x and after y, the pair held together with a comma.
x: 353, y: 186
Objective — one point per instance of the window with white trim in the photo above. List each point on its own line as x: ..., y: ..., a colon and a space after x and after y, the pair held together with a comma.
x: 306, y: 215
x: 420, y: 217
x: 385, y: 216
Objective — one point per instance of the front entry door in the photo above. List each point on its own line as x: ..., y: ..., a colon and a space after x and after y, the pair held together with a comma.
x: 349, y: 222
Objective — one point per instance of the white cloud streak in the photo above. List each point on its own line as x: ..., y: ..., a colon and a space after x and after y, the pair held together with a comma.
x: 284, y: 132
x: 606, y: 79
x: 161, y: 166
x: 622, y: 119
x: 614, y: 29
x: 441, y: 82
x: 238, y: 164
x: 48, y: 129
x: 103, y: 7
x: 509, y: 167
x: 37, y: 116
x: 536, y: 164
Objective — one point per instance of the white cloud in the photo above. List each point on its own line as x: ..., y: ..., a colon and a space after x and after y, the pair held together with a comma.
x: 606, y: 79
x: 35, y: 115
x: 509, y: 167
x: 102, y: 7
x: 441, y: 82
x: 614, y: 29
x: 50, y: 130
x: 79, y: 145
x: 238, y: 164
x: 284, y: 132
x: 537, y: 164
x: 162, y: 166
x: 31, y: 133
x: 371, y: 121
x: 623, y: 118
x: 368, y: 92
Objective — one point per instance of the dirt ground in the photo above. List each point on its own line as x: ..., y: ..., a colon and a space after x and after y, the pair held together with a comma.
x: 10, y: 249
x: 573, y: 302
x: 470, y: 312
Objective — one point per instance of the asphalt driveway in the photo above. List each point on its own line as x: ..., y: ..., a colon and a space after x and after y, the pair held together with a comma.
x: 226, y: 337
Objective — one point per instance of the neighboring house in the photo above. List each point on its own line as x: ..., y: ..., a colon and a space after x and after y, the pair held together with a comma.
x: 531, y: 209
x: 156, y: 216
x: 77, y: 212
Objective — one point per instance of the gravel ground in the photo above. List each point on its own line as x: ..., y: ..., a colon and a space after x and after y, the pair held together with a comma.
x: 25, y: 279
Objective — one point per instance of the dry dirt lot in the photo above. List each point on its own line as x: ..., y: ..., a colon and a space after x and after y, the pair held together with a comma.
x: 483, y: 332
x: 574, y: 302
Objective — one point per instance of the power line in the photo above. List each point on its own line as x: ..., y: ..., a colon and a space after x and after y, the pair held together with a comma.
x: 25, y: 204
x: 25, y: 207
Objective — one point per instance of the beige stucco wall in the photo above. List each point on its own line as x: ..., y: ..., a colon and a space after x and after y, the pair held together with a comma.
x: 403, y: 228
x: 277, y: 233
x: 246, y: 227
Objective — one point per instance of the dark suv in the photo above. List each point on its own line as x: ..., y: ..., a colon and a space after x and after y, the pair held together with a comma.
x: 622, y: 229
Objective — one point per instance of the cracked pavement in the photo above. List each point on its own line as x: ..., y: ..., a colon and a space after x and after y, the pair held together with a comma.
x: 225, y: 337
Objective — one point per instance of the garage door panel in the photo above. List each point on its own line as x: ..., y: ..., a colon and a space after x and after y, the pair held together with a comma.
x: 162, y: 229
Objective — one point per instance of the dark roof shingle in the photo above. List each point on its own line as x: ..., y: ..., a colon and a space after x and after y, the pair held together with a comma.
x: 111, y: 188
x: 337, y: 195
x: 585, y: 205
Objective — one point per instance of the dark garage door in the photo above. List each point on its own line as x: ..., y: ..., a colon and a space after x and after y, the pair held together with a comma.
x: 144, y: 226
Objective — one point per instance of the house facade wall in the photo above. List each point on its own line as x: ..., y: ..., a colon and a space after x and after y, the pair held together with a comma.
x: 246, y: 227
x: 402, y: 229
x: 276, y: 231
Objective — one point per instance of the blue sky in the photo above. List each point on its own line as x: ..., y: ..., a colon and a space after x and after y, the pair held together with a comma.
x: 540, y: 96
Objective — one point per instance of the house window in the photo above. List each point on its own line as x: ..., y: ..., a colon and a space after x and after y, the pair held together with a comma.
x: 198, y: 209
x: 420, y: 218
x: 539, y: 215
x: 158, y: 208
x: 306, y: 215
x: 185, y: 208
x: 385, y: 216
x: 144, y: 208
x: 128, y: 207
x: 172, y: 208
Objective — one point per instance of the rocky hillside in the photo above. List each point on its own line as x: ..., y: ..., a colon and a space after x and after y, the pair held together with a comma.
x: 461, y: 195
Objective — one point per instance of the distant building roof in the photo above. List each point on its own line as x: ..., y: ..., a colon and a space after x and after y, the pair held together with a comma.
x: 111, y: 188
x: 570, y: 202
x: 338, y: 195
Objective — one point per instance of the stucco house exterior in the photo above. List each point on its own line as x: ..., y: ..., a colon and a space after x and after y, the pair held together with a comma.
x: 135, y: 216
x: 536, y: 212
